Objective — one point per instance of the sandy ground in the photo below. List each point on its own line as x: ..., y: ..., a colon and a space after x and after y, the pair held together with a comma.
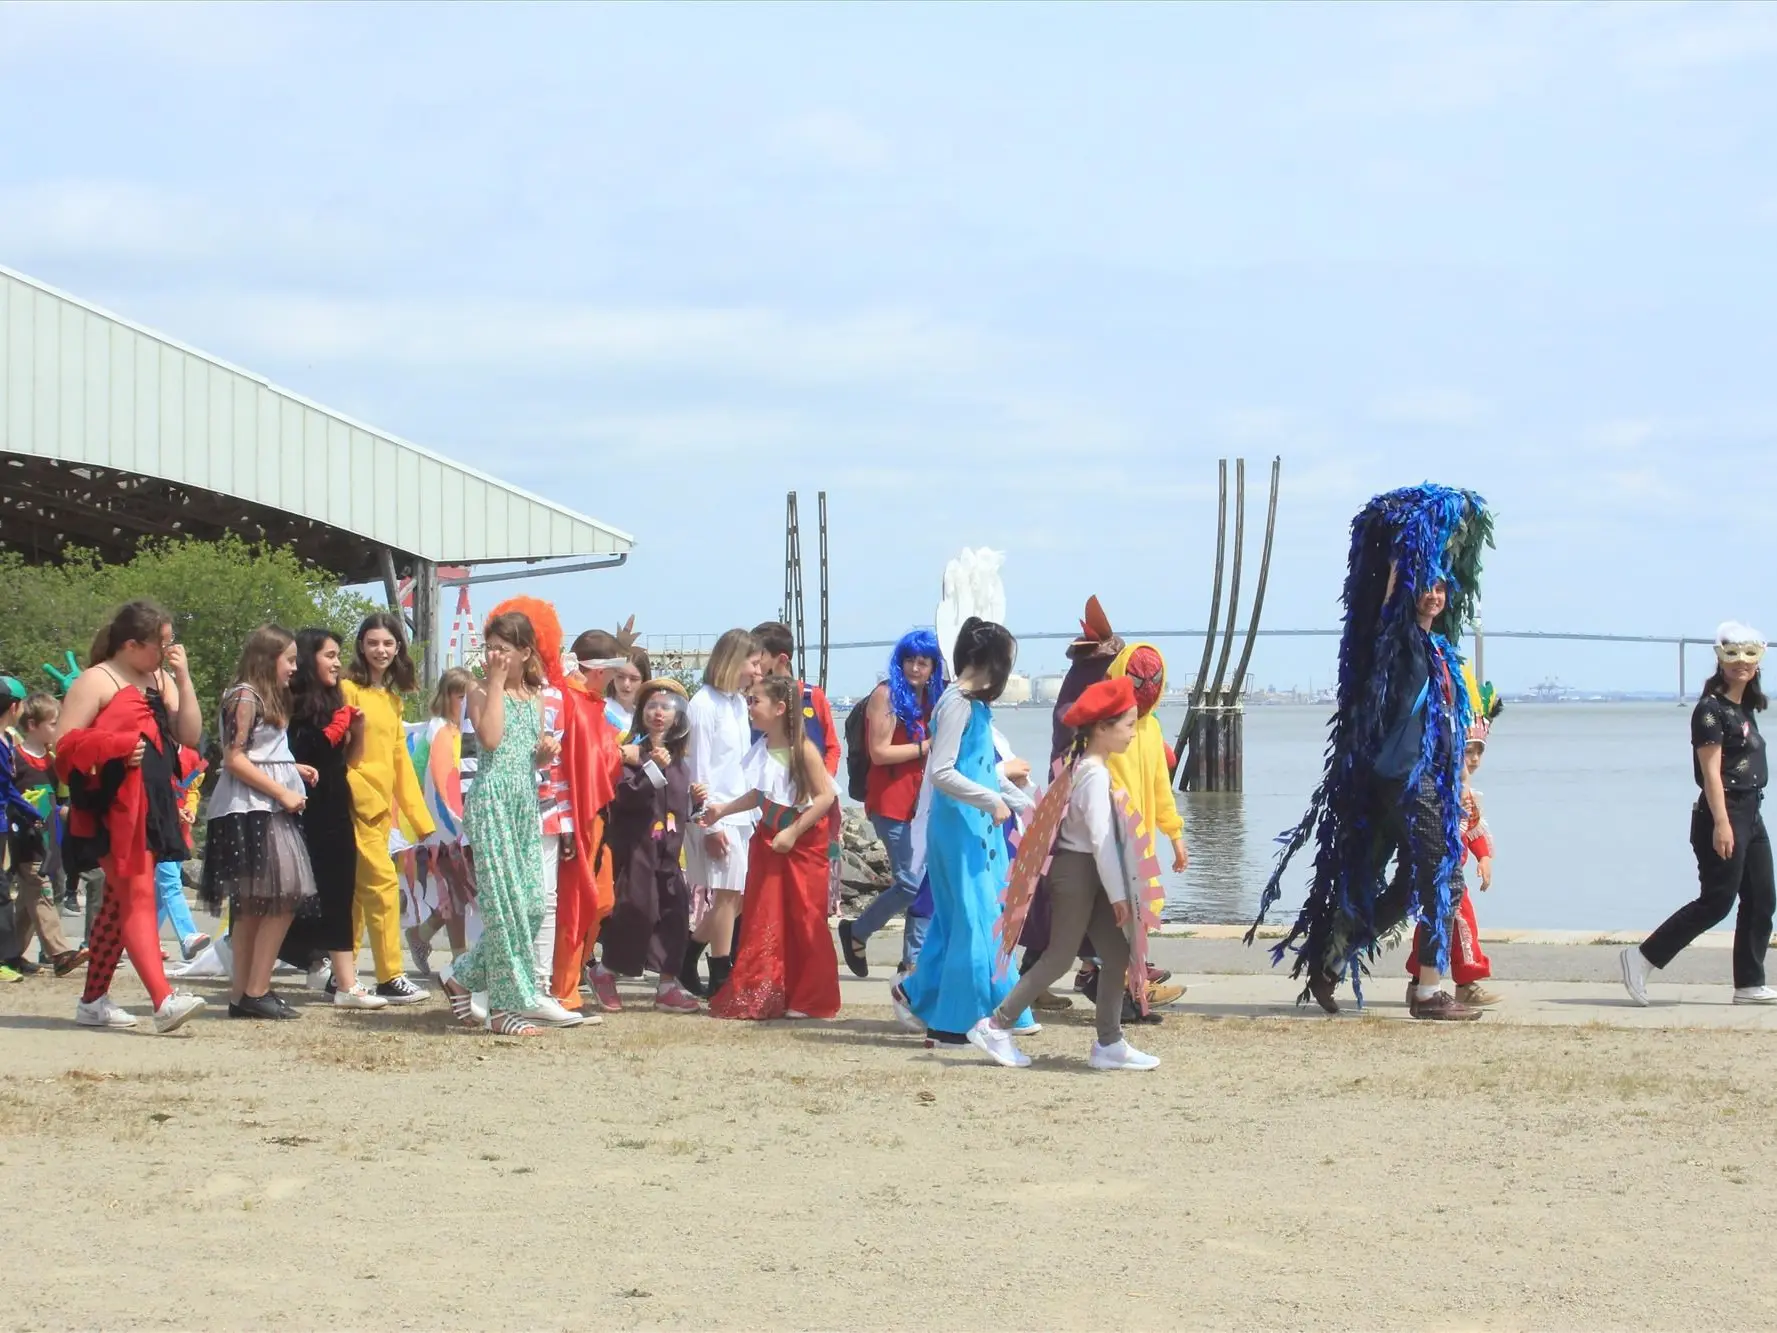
x: 1279, y: 1171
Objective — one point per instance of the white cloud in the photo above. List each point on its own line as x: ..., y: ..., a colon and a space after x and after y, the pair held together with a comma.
x: 1430, y: 408
x: 544, y: 339
x: 832, y: 139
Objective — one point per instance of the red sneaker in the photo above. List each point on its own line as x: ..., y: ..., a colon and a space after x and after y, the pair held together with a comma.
x: 675, y: 999
x: 604, y: 990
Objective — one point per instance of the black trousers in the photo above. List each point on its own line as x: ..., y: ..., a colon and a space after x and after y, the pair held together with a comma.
x: 1745, y: 876
x: 1414, y: 836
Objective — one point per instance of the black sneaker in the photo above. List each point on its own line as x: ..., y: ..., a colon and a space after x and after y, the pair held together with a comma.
x: 852, y: 951
x: 254, y: 1006
x: 402, y: 991
x: 23, y: 966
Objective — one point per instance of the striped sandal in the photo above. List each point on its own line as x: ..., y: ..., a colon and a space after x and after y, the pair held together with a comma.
x: 505, y: 1023
x: 461, y: 1003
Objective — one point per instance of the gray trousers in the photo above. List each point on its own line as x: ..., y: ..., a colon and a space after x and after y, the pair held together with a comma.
x: 1079, y: 910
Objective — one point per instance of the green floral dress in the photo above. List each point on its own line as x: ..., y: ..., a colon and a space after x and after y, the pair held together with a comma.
x: 501, y: 820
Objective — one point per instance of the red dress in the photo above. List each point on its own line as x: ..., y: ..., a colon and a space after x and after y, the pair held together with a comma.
x: 785, y: 962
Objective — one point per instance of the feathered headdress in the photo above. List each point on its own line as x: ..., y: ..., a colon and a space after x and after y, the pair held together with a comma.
x: 1097, y: 639
x: 1484, y: 705
x: 547, y: 627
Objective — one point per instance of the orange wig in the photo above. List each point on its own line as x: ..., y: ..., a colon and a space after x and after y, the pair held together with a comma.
x: 547, y: 626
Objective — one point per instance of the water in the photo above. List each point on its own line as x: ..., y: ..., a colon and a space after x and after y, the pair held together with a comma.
x: 1589, y: 806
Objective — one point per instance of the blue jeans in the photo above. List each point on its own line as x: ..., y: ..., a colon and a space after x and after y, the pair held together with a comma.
x: 897, y: 836
x: 169, y: 888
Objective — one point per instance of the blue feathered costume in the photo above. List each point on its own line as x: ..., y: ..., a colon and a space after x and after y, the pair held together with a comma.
x: 1393, y: 779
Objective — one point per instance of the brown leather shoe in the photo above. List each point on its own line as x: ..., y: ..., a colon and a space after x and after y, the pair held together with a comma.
x: 1051, y: 1003
x: 66, y: 962
x: 1443, y: 1007
x: 1477, y: 996
x: 1321, y: 987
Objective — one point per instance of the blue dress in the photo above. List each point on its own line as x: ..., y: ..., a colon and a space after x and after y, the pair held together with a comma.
x: 953, y: 984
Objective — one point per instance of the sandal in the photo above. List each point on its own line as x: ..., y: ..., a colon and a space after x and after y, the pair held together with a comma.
x: 461, y: 1002
x: 504, y: 1023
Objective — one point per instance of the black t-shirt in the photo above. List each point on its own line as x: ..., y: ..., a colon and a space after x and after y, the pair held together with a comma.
x: 1719, y: 721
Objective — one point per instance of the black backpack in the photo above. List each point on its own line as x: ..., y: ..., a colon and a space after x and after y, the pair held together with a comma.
x: 857, y: 749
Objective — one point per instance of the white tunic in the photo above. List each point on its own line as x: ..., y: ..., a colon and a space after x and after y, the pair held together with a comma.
x: 716, y: 757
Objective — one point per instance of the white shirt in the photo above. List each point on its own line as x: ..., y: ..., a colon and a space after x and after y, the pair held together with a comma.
x: 770, y: 776
x: 716, y: 753
x: 1087, y: 826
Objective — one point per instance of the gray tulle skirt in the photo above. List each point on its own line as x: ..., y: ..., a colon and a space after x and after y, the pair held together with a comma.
x: 257, y: 863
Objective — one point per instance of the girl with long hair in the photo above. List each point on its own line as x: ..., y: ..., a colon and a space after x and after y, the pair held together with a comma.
x: 442, y: 883
x: 623, y: 689
x: 254, y: 857
x: 507, y: 836
x: 650, y: 815
x: 788, y: 969
x: 327, y: 735
x: 382, y: 778
x: 716, y: 854
x: 955, y: 982
x: 898, y: 716
x: 116, y: 740
x: 1727, y: 828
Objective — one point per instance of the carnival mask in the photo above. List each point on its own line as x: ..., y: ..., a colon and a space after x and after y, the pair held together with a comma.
x: 1729, y: 653
x: 1147, y: 672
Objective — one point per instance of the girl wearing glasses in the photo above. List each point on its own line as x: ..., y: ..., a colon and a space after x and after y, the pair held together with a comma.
x: 1727, y: 829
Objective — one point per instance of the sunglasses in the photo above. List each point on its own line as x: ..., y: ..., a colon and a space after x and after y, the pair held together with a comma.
x: 1728, y: 653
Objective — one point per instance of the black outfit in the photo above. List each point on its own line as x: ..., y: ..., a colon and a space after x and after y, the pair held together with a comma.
x: 332, y: 847
x: 1747, y: 874
x: 650, y: 920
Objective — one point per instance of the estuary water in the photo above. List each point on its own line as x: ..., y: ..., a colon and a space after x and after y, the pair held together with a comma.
x: 1589, y: 806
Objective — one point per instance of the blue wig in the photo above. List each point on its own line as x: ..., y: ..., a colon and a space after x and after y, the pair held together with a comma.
x: 910, y: 710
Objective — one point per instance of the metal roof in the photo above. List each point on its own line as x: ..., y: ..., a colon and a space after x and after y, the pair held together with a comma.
x: 111, y: 433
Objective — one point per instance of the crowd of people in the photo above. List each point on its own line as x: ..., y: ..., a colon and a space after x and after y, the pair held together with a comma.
x: 570, y: 820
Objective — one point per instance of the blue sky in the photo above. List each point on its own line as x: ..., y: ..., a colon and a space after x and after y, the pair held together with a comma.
x: 989, y: 275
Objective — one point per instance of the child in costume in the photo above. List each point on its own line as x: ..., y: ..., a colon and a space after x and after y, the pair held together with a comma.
x: 593, y: 759
x: 115, y: 743
x: 788, y: 968
x: 32, y: 769
x: 382, y: 780
x: 255, y: 860
x: 508, y: 841
x: 897, y: 723
x: 1393, y: 781
x: 1098, y: 882
x: 1469, y: 966
x: 651, y: 919
x: 954, y: 983
x: 441, y: 885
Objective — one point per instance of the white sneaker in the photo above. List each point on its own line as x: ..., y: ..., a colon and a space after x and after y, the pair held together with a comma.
x: 174, y: 1010
x: 1635, y: 970
x: 904, y: 1014
x: 192, y: 945
x: 320, y: 974
x: 997, y: 1045
x: 1121, y: 1055
x: 1755, y: 995
x: 103, y: 1013
x: 358, y: 998
x: 549, y: 1012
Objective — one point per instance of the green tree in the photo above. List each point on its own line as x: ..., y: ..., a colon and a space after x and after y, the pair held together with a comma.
x: 217, y: 593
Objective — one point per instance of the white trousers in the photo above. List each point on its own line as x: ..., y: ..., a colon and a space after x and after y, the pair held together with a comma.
x: 545, y: 948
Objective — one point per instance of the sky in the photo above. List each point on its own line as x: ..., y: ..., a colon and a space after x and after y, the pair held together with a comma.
x: 999, y: 276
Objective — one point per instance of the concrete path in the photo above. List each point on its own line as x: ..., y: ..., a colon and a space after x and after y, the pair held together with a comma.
x: 1545, y: 984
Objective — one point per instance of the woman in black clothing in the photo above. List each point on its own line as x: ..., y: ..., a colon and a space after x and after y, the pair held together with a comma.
x: 325, y: 734
x: 1727, y: 829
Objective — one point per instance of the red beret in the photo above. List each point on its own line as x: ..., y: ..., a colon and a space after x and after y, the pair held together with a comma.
x: 1106, y: 699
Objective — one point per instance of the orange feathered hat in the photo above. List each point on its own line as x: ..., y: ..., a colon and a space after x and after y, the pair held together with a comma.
x: 1096, y: 636
x: 547, y: 626
x: 1101, y: 701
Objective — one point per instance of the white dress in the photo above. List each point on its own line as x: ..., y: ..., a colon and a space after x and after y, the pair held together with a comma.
x: 716, y: 756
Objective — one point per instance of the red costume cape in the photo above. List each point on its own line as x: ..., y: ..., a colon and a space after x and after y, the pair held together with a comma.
x: 86, y: 750
x: 585, y: 893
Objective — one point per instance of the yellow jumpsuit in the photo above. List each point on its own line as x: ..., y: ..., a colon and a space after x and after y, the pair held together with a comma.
x: 381, y: 779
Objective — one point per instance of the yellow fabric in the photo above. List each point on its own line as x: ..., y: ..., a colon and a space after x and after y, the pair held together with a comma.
x: 1140, y: 772
x: 382, y: 780
x: 376, y: 899
x: 383, y: 777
